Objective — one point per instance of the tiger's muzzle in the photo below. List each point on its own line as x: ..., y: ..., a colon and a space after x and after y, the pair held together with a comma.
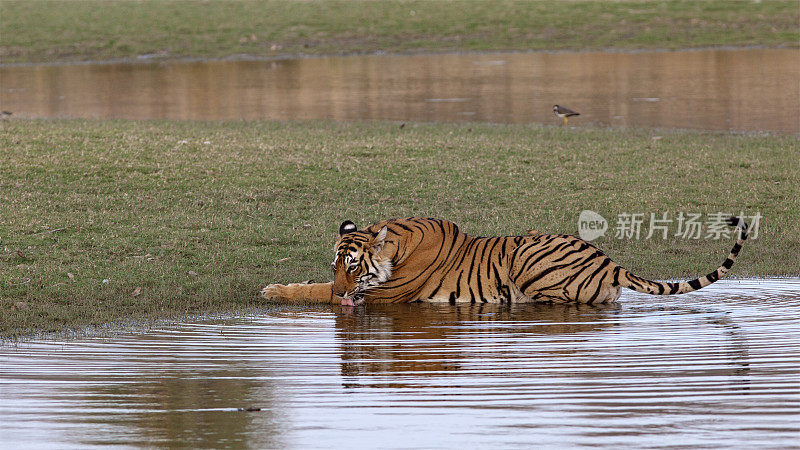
x: 354, y: 298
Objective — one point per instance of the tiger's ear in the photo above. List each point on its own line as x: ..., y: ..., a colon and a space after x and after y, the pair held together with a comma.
x: 379, y: 239
x: 347, y: 227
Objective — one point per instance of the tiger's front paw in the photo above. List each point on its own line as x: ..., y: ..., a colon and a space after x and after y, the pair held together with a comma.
x: 275, y: 292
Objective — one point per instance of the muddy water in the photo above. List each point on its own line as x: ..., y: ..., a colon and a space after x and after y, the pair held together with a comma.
x: 714, y: 368
x: 749, y: 90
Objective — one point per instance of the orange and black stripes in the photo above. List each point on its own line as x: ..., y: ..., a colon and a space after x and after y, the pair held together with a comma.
x: 639, y: 284
x: 432, y: 260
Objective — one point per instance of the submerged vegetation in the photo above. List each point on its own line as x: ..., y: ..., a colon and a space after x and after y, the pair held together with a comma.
x: 102, y: 221
x: 57, y: 31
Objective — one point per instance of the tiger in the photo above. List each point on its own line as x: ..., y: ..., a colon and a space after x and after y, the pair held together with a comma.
x: 419, y: 259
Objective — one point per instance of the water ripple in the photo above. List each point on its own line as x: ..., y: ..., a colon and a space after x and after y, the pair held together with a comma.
x: 718, y: 367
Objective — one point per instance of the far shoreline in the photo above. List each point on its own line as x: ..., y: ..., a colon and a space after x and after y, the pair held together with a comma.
x: 156, y: 59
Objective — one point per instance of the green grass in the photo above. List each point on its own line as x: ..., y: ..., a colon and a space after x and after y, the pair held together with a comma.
x: 150, y: 204
x: 59, y: 31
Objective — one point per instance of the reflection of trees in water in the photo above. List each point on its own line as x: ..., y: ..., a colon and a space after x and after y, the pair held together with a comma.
x: 190, y: 401
x: 420, y: 340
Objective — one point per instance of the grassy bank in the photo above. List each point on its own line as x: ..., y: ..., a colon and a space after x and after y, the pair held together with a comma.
x: 186, y: 217
x: 60, y: 31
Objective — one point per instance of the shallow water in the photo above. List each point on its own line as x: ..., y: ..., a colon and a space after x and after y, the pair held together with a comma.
x: 746, y: 90
x: 716, y: 368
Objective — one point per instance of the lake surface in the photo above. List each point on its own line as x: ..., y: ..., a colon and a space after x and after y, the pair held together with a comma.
x: 741, y: 90
x: 715, y: 368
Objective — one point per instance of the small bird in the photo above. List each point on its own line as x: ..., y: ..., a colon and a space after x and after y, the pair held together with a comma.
x: 5, y: 114
x: 563, y: 112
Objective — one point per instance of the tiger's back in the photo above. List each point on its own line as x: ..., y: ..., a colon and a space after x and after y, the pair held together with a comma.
x: 440, y: 263
x: 447, y: 265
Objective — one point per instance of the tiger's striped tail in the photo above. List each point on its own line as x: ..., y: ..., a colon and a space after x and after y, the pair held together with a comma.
x: 626, y: 279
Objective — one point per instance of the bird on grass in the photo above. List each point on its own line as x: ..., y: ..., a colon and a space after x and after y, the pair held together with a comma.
x: 563, y: 112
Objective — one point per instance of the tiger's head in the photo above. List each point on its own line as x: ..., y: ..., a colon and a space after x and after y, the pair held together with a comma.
x: 358, y: 265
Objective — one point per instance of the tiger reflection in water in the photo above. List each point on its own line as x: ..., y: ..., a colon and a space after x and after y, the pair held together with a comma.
x: 431, y: 340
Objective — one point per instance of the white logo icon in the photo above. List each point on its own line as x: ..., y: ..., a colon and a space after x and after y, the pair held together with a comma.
x: 591, y: 225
